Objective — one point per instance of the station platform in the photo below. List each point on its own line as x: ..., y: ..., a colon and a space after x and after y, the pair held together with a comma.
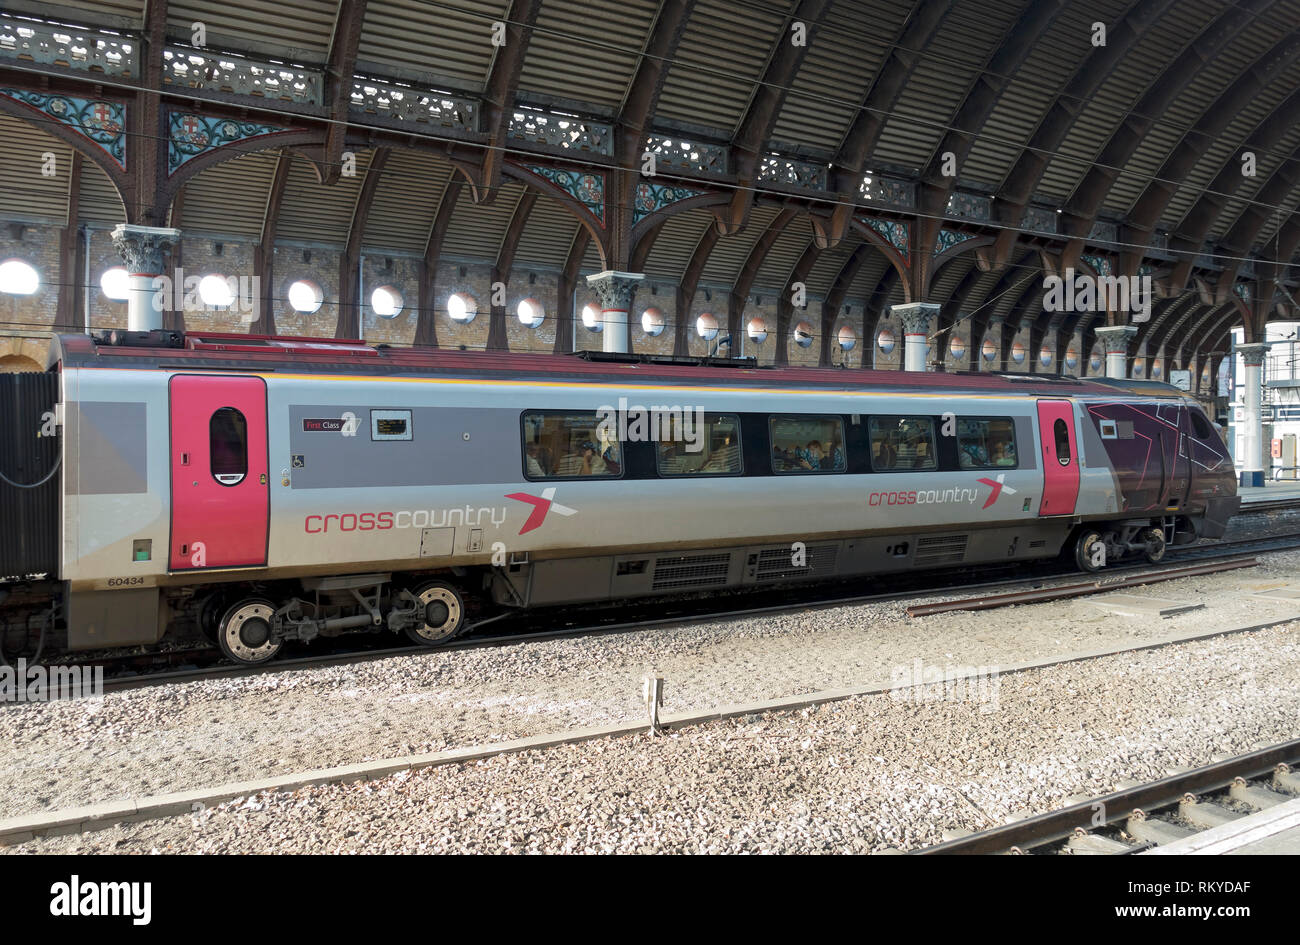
x: 1271, y: 492
x: 1272, y: 832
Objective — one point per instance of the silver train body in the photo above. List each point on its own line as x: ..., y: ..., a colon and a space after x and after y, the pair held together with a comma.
x: 394, y: 490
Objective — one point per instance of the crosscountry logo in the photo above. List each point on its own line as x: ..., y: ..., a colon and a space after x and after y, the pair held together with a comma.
x: 541, y: 505
x: 998, y: 486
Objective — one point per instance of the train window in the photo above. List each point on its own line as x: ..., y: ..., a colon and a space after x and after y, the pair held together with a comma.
x: 807, y: 444
x: 1062, y: 435
x: 565, y: 445
x: 694, y: 444
x: 899, y: 443
x: 1200, y: 426
x: 986, y: 444
x: 228, y: 446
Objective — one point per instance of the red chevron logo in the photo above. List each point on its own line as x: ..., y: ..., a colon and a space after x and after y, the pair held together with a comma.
x: 998, y: 486
x: 541, y: 506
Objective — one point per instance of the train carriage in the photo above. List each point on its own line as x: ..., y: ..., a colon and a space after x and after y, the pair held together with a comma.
x: 270, y: 489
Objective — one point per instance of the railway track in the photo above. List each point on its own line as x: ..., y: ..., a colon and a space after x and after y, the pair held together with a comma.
x: 523, y: 627
x: 1146, y: 816
x: 1269, y: 505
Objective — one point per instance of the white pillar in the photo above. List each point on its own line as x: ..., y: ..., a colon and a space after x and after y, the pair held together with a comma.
x: 1252, y: 446
x: 918, y: 319
x: 141, y: 248
x: 616, y: 291
x: 1114, y: 341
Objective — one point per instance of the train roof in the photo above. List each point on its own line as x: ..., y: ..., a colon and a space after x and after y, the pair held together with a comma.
x: 202, y: 351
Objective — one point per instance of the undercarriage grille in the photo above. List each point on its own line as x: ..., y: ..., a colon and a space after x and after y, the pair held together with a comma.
x: 691, y: 571
x: 940, y: 549
x: 774, y: 563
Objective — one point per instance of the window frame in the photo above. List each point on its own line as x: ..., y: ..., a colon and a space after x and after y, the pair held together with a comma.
x: 561, y: 412
x: 935, y: 465
x: 216, y: 477
x: 803, y: 418
x: 1014, y: 443
x: 1058, y: 426
x: 1195, y: 416
x: 740, y: 454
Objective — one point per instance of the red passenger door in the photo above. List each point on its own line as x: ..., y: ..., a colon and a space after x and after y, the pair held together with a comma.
x: 220, y: 495
x: 1060, y: 452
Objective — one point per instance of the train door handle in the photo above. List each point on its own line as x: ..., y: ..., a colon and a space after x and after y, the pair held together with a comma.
x: 185, y: 459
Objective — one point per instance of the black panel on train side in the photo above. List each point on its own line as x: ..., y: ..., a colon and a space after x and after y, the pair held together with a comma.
x: 29, y: 479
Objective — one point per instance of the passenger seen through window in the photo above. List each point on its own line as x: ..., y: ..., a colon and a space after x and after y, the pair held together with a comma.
x: 807, y: 444
x: 902, y: 443
x: 560, y: 445
x: 986, y: 443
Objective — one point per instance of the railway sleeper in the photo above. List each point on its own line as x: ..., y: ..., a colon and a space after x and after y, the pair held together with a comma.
x: 1255, y: 796
x: 1205, y: 814
x: 1083, y: 843
x: 1148, y: 830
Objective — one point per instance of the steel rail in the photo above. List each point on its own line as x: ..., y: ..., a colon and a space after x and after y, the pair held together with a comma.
x: 1060, y: 824
x: 1081, y: 589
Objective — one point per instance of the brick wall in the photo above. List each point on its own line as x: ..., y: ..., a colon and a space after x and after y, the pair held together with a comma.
x: 202, y: 256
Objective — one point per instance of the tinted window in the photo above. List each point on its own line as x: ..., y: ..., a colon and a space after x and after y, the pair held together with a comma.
x: 691, y: 446
x: 560, y: 445
x: 228, y: 446
x: 902, y: 443
x: 807, y: 444
x: 986, y: 444
x: 1200, y: 426
x: 1062, y: 435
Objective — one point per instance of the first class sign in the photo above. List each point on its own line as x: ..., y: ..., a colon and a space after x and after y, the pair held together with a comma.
x: 324, y: 425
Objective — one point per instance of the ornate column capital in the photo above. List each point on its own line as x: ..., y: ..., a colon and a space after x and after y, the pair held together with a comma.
x: 1115, y: 338
x: 1253, y: 354
x: 616, y: 289
x: 142, y: 247
x: 917, y: 317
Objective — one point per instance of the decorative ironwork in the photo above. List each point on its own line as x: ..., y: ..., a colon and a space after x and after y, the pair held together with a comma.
x: 1243, y: 291
x: 1103, y: 232
x: 676, y: 154
x: 947, y: 239
x: 651, y: 198
x: 1100, y: 264
x: 970, y: 206
x: 238, y: 75
x: 888, y: 190
x: 563, y: 132
x: 425, y: 107
x: 103, y: 123
x: 83, y: 50
x: 190, y: 135
x: 896, y: 232
x: 585, y: 187
x: 783, y: 170
x: 1039, y: 220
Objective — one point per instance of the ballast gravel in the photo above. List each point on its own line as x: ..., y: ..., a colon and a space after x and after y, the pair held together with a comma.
x: 863, y: 775
x: 179, y: 737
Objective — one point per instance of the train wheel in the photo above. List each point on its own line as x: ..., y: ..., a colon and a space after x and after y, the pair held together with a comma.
x: 1090, y: 551
x: 244, y: 633
x: 444, y: 614
x: 1155, y: 544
